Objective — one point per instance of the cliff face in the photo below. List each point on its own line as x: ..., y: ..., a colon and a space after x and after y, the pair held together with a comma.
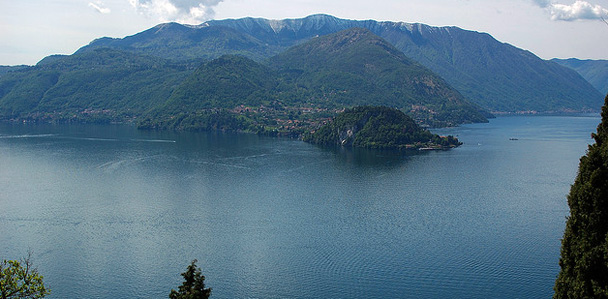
x: 347, y: 134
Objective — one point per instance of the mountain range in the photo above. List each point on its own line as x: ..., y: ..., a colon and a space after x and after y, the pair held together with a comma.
x: 260, y: 75
x: 494, y: 75
x: 353, y: 67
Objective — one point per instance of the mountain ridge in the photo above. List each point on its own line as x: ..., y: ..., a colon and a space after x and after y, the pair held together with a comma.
x: 232, y: 92
x: 494, y: 75
x: 593, y: 70
x: 349, y: 68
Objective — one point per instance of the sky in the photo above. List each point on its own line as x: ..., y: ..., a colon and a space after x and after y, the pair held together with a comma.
x: 33, y: 29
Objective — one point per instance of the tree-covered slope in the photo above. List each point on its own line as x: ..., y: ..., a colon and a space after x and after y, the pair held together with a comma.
x: 7, y: 69
x: 594, y: 71
x: 345, y: 69
x: 207, y: 98
x: 289, y: 93
x: 496, y: 76
x: 183, y: 42
x: 356, y: 67
x: 584, y: 253
x: 377, y: 127
x: 104, y: 83
x: 226, y: 82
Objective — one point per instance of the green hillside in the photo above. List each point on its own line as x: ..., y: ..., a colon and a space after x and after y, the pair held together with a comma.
x: 183, y: 42
x: 309, y: 83
x: 356, y: 67
x: 496, y: 76
x: 594, y: 71
x: 100, y: 85
x: 289, y: 94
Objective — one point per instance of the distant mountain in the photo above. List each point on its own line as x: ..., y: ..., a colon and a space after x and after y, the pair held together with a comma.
x: 182, y: 42
x: 225, y: 82
x: 355, y: 67
x: 289, y: 93
x: 6, y: 69
x: 98, y: 85
x: 349, y: 68
x: 594, y: 71
x: 496, y: 76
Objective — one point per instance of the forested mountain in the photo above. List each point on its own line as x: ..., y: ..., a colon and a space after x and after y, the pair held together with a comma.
x: 356, y: 67
x: 6, y: 68
x: 594, y: 71
x: 496, y: 76
x: 182, y: 42
x: 332, y: 64
x: 288, y: 94
x: 349, y: 68
x: 100, y: 85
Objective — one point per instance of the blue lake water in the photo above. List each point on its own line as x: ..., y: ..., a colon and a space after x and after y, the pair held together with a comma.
x: 112, y: 212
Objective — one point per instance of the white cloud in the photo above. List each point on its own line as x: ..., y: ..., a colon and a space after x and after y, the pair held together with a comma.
x: 576, y: 11
x: 183, y: 11
x: 579, y: 10
x: 99, y: 7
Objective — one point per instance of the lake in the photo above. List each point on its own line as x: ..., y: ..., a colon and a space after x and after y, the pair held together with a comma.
x: 113, y: 212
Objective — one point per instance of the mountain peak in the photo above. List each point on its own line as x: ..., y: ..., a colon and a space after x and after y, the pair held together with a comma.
x: 495, y: 75
x: 351, y: 48
x: 337, y: 42
x: 356, y: 67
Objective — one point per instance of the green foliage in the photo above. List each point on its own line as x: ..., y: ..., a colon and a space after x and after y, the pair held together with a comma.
x: 494, y: 75
x: 105, y: 83
x: 379, y: 128
x: 296, y: 91
x: 24, y: 90
x: 19, y: 279
x: 7, y: 69
x: 180, y: 42
x: 193, y: 286
x: 206, y: 120
x: 584, y: 253
x: 355, y: 67
x: 325, y: 74
x: 225, y: 82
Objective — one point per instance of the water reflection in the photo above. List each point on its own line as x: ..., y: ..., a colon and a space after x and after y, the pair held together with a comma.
x: 109, y: 206
x: 370, y: 157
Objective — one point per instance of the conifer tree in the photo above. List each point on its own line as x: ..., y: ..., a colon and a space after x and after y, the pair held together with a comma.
x: 584, y: 253
x: 193, y: 286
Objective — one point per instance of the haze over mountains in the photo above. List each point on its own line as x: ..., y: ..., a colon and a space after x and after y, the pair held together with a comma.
x: 285, y: 67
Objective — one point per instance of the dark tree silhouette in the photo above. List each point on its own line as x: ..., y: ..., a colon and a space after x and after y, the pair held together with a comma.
x: 584, y: 253
x: 193, y: 286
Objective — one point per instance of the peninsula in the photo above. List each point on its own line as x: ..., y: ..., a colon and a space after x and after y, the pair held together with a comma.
x: 378, y: 128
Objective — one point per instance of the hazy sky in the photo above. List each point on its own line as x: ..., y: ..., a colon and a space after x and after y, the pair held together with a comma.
x: 33, y: 29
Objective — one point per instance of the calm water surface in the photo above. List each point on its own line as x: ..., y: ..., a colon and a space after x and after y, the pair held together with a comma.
x: 112, y: 212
